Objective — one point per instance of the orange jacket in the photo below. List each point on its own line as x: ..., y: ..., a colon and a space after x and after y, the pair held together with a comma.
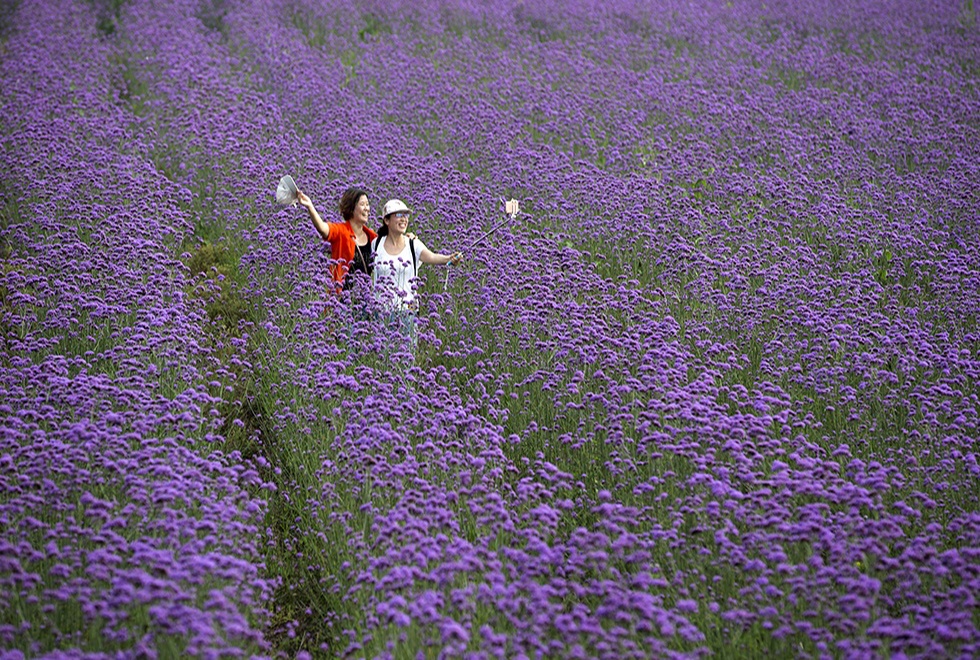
x: 343, y: 247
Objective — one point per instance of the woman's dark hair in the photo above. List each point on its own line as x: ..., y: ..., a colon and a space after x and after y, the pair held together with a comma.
x: 383, y: 229
x: 348, y: 201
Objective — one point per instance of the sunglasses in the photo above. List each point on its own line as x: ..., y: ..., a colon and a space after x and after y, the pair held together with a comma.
x: 400, y: 214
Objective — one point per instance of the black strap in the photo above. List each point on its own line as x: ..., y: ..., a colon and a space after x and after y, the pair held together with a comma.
x: 411, y: 248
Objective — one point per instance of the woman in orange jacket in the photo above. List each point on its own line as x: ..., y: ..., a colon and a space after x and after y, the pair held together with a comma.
x: 350, y: 241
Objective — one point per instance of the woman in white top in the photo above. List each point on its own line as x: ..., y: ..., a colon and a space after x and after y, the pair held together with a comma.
x: 396, y: 261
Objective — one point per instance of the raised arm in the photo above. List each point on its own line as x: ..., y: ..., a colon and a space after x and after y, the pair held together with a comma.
x: 429, y: 257
x: 322, y: 227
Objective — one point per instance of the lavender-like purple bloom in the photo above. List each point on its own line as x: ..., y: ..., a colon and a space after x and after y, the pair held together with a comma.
x: 716, y: 387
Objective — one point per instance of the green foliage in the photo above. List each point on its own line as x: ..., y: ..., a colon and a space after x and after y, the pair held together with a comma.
x: 107, y: 15
x: 228, y: 307
x: 7, y: 11
x: 968, y: 15
x: 540, y: 28
x: 133, y: 90
x: 313, y: 594
x: 374, y: 25
x: 348, y: 60
x: 217, y: 266
x: 788, y: 78
x: 314, y: 32
x: 317, y: 32
x: 212, y: 13
x: 209, y: 256
x: 10, y: 212
x: 6, y: 247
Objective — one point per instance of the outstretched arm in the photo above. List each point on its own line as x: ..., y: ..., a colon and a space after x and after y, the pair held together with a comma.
x: 322, y: 227
x: 429, y: 257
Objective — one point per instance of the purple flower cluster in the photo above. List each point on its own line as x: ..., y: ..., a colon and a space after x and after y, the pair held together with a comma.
x: 715, y: 391
x: 123, y: 530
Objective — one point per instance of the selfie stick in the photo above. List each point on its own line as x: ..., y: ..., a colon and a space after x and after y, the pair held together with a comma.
x: 495, y: 228
x: 510, y: 218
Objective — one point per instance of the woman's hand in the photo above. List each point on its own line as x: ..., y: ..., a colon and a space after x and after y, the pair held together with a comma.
x: 440, y: 259
x: 307, y: 203
x: 304, y: 200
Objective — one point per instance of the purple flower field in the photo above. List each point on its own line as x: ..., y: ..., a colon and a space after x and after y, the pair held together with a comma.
x: 713, y: 393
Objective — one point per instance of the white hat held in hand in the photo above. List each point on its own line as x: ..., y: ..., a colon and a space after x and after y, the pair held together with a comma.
x: 287, y: 193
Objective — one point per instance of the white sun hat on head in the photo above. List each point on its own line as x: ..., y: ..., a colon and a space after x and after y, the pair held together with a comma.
x: 393, y: 206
